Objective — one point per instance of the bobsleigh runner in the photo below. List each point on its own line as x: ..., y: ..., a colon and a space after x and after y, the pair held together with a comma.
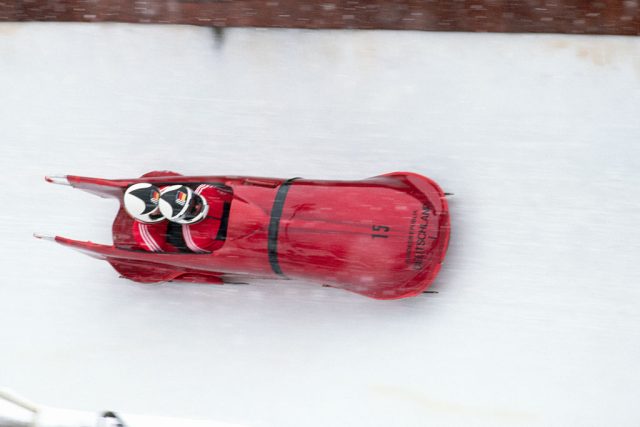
x: 383, y: 237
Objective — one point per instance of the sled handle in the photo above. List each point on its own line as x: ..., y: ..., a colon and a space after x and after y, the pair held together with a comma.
x: 57, y: 179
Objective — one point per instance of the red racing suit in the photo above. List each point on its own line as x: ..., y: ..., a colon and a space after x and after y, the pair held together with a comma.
x: 201, y: 237
x: 152, y: 237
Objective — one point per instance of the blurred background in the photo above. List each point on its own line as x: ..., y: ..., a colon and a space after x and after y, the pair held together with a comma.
x: 527, y: 110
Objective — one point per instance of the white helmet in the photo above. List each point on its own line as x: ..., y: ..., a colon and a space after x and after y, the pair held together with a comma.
x: 141, y: 202
x: 179, y: 203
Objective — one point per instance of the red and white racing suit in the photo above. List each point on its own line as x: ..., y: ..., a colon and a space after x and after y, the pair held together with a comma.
x: 200, y: 237
x: 152, y: 237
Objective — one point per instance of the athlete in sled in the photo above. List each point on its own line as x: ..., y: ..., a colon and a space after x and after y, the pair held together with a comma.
x: 383, y: 237
x: 177, y: 218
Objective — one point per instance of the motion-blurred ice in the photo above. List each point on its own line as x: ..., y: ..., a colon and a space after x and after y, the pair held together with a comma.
x: 536, y: 321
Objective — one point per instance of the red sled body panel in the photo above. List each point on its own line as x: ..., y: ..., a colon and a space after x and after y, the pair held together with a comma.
x: 383, y: 237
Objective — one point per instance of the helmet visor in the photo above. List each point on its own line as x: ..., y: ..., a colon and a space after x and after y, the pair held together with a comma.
x: 194, y: 210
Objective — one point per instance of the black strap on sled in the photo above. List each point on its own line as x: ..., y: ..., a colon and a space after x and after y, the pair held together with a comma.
x: 224, y: 222
x: 274, y: 225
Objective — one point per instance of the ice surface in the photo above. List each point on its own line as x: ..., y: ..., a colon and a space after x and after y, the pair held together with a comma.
x: 537, y: 319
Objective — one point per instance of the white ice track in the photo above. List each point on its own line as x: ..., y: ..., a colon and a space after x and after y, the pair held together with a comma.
x: 537, y: 319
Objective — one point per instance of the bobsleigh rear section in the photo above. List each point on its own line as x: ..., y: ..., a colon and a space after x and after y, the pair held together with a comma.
x: 384, y: 237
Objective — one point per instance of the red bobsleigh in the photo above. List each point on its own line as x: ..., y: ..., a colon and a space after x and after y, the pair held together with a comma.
x: 383, y: 237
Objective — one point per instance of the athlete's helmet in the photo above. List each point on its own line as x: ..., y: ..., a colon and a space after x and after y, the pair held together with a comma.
x: 141, y: 202
x: 180, y: 204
